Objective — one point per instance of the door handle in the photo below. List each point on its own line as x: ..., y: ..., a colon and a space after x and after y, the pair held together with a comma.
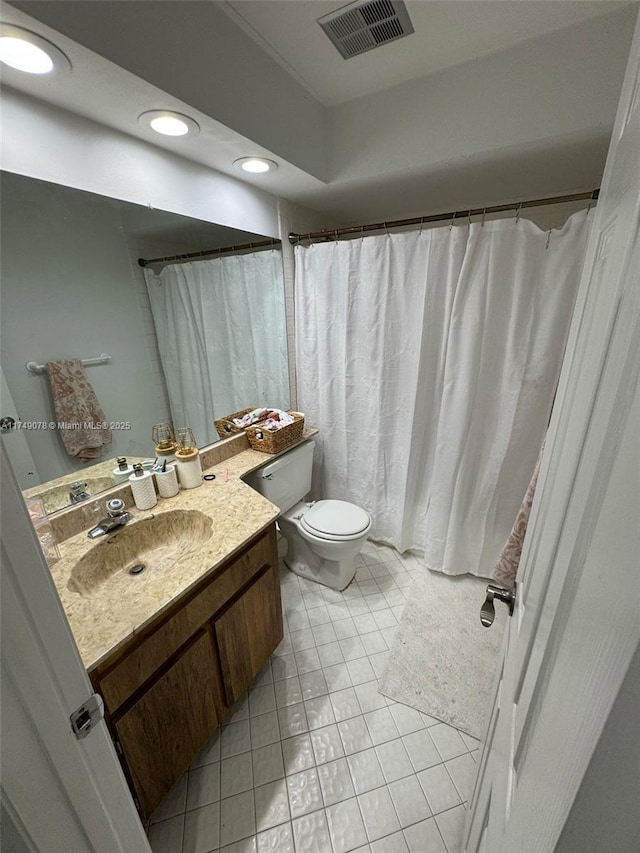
x: 488, y: 611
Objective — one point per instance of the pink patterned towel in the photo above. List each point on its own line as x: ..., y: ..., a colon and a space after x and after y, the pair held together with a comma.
x: 507, y: 566
x: 81, y: 421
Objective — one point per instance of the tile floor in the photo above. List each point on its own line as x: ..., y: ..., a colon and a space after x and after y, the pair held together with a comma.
x: 314, y: 759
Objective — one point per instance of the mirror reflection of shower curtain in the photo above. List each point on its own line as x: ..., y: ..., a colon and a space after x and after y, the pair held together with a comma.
x: 221, y: 332
x: 428, y: 360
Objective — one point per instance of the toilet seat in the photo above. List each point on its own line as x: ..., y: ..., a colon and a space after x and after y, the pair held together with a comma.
x: 337, y: 521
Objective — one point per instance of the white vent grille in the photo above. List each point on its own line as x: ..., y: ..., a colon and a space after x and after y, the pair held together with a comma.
x: 366, y: 24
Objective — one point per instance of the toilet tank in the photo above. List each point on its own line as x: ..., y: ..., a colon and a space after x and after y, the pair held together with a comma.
x: 287, y: 479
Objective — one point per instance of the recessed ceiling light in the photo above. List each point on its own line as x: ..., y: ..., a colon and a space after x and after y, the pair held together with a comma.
x: 168, y: 123
x: 29, y: 52
x: 256, y: 165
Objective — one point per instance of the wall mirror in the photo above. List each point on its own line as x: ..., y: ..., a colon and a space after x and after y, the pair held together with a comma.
x: 188, y: 342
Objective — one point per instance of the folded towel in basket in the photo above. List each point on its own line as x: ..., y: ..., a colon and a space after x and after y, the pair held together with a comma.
x: 81, y: 421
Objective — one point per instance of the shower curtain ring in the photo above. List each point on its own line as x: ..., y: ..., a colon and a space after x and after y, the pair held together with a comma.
x: 518, y: 213
x: 453, y: 216
x: 548, y: 238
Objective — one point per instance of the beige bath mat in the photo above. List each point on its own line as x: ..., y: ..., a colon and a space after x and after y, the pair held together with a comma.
x: 442, y: 661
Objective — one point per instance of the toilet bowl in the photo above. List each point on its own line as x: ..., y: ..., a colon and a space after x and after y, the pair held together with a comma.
x: 323, y: 540
x: 323, y: 537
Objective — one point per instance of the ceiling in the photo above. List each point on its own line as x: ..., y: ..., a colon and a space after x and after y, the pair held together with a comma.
x: 447, y: 33
x: 488, y: 101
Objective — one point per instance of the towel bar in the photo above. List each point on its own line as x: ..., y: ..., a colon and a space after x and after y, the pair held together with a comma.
x: 103, y: 358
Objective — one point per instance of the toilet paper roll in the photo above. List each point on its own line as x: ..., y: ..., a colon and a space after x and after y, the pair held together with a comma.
x: 167, y: 481
x: 144, y: 493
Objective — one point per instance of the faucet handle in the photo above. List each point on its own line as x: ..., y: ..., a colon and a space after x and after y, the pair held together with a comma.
x: 115, y: 507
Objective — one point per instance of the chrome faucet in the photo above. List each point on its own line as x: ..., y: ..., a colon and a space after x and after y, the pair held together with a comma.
x: 116, y: 517
x: 78, y: 493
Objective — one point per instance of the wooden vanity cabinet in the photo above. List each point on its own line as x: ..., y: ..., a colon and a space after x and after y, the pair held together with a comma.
x: 171, y: 686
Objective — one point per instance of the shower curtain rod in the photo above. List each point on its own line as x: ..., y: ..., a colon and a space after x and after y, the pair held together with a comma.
x: 205, y: 253
x: 334, y: 233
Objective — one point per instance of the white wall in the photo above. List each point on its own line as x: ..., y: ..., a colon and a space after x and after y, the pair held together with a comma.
x: 54, y: 145
x: 68, y: 291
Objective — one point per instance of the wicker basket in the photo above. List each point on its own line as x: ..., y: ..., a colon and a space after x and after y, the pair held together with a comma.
x: 275, y: 441
x: 226, y: 427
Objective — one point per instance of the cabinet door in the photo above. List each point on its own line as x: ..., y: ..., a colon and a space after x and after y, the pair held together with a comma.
x: 165, y: 729
x: 248, y: 631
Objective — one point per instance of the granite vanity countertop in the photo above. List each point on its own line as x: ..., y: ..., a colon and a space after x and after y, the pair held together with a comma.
x: 124, y: 604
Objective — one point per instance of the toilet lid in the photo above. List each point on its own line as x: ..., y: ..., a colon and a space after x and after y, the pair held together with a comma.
x: 336, y: 518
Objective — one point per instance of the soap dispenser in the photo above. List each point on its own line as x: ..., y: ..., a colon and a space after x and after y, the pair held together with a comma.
x: 188, y: 459
x: 142, y: 488
x: 122, y: 473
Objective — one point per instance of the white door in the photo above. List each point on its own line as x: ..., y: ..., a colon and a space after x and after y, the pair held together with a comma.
x: 576, y: 622
x: 16, y: 440
x: 63, y: 795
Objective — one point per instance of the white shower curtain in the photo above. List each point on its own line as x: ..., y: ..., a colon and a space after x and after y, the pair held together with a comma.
x: 428, y: 360
x: 220, y: 325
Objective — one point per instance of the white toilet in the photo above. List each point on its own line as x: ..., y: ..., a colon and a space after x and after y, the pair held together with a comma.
x: 323, y: 537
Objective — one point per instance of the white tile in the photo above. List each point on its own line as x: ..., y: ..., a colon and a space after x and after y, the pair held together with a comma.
x: 308, y: 660
x: 313, y: 684
x: 471, y: 743
x: 202, y: 830
x: 304, y: 792
x: 335, y: 782
x: 407, y: 719
x: 272, y: 804
x: 174, y: 803
x: 240, y: 711
x: 358, y: 606
x: 337, y: 677
x: 366, y: 772
x: 345, y: 826
x: 277, y: 840
x: 462, y: 770
x: 439, y: 790
x: 236, y: 775
x: 166, y: 837
x: 319, y: 712
x: 360, y: 671
x: 365, y: 623
x: 369, y: 697
x: 298, y: 754
x: 265, y: 676
x: 283, y: 667
x: 247, y: 845
x: 409, y: 801
x: 424, y: 837
x: 203, y: 785
x: 374, y: 642
x: 394, y: 760
x: 237, y: 818
x: 288, y: 692
x: 384, y: 618
x: 327, y: 744
x: 302, y: 640
x: 311, y: 833
x: 267, y: 764
x: 324, y: 634
x: 381, y: 726
x: 330, y: 654
x: 451, y: 826
x: 210, y: 753
x: 264, y: 729
x: 352, y: 648
x: 355, y: 735
x: 261, y: 700
x: 345, y: 628
x: 378, y: 813
x: 345, y: 704
x: 391, y: 844
x: 379, y: 663
x: 235, y: 738
x: 421, y: 749
x: 447, y: 740
x: 298, y: 621
x: 318, y: 616
x: 292, y: 720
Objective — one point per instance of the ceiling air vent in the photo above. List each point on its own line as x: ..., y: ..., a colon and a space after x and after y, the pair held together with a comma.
x: 366, y: 24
